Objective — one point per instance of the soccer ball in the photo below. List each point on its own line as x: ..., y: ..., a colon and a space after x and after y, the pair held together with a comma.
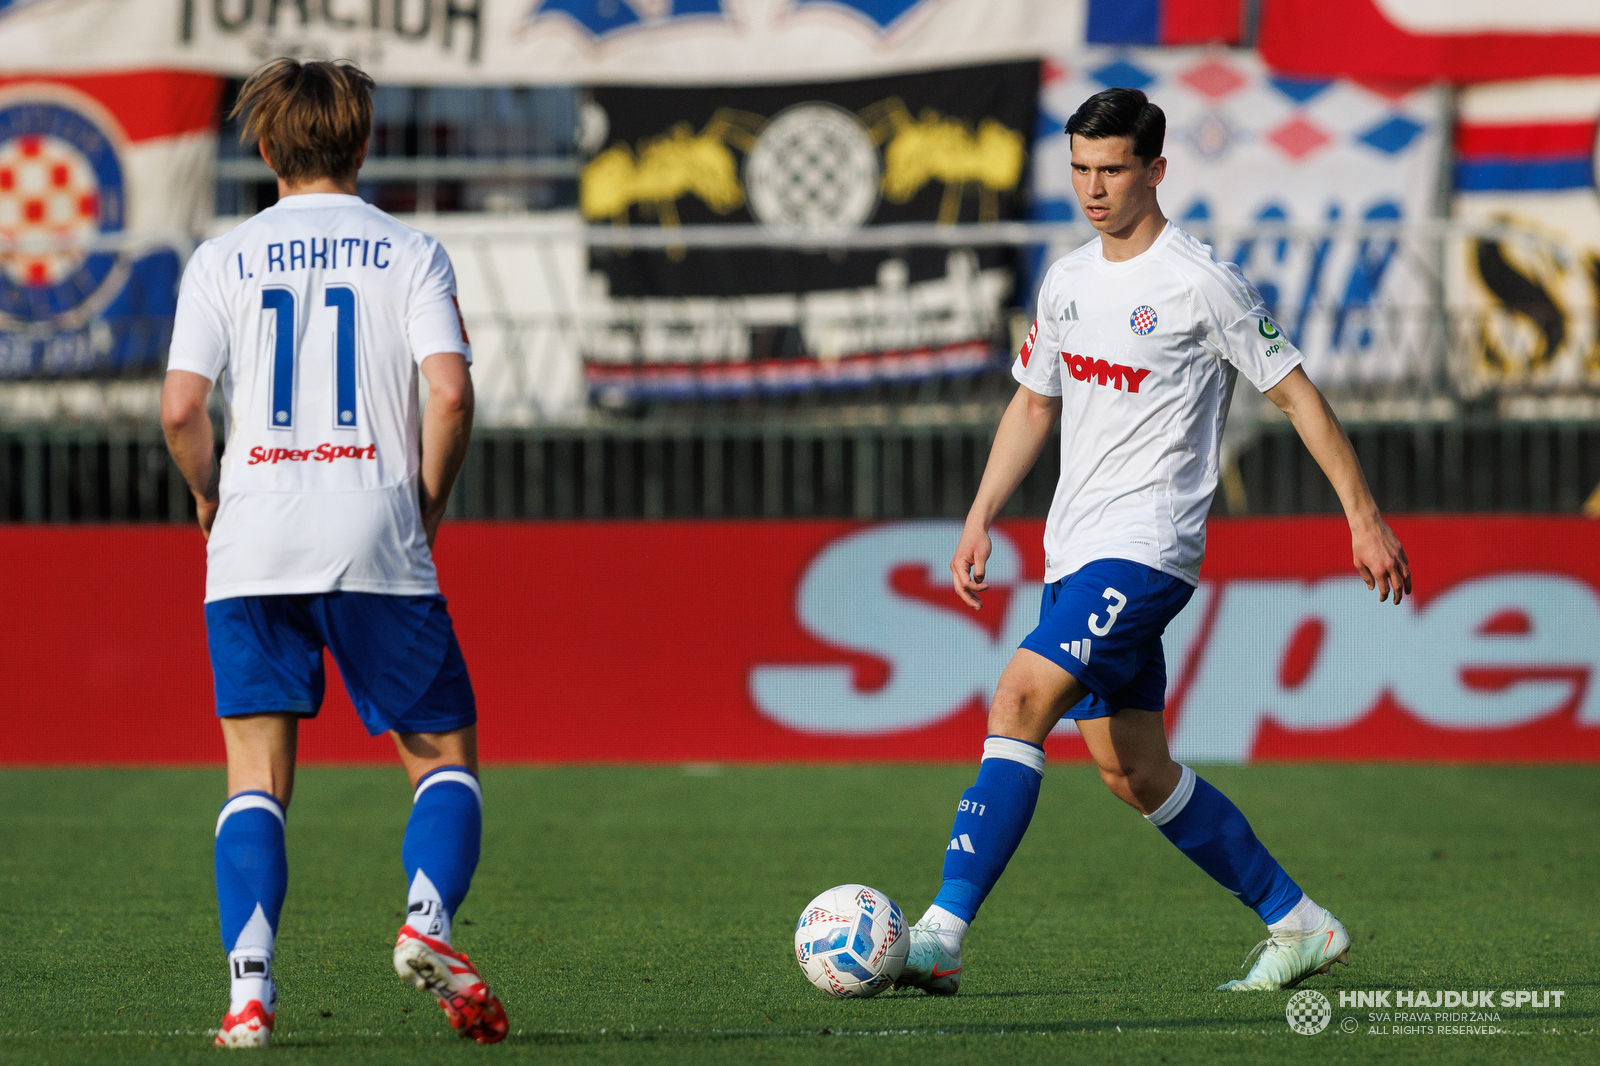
x: 851, y: 941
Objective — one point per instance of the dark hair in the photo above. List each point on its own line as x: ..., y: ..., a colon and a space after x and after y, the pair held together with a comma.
x: 313, y: 117
x: 1122, y: 113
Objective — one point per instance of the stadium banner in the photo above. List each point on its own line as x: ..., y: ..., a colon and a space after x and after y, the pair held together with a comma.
x: 835, y: 641
x: 1165, y: 21
x: 1529, y: 301
x: 553, y: 42
x: 1419, y: 41
x: 944, y: 146
x: 105, y: 180
x: 1249, y: 150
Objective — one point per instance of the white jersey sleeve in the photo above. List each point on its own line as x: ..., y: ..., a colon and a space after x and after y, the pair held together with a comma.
x: 1038, y: 364
x: 200, y: 327
x: 434, y: 322
x: 1236, y: 324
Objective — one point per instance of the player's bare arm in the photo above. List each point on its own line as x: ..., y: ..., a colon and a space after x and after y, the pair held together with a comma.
x: 1378, y: 555
x: 446, y: 431
x: 1023, y: 430
x: 187, y: 425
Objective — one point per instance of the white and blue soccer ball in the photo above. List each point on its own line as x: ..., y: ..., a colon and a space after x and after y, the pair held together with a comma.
x: 851, y: 942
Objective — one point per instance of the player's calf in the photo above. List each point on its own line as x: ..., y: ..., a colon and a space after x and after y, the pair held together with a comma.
x: 252, y: 878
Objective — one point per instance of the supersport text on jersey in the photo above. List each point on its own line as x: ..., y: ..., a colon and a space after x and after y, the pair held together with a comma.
x: 1143, y: 354
x: 315, y: 314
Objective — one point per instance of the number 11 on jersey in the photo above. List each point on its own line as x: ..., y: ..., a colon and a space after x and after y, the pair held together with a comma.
x: 342, y: 299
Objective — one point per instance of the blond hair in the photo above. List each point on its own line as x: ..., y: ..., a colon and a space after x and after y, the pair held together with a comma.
x: 314, y: 118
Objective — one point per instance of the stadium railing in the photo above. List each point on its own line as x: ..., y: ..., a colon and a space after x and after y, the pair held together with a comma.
x: 744, y: 470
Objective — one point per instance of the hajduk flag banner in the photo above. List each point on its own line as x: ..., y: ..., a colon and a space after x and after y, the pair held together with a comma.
x: 942, y: 147
x: 552, y: 42
x: 1460, y: 41
x: 1530, y: 300
x: 1165, y: 21
x: 1281, y: 174
x: 104, y: 181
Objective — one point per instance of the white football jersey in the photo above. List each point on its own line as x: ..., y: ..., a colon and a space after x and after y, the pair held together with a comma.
x: 316, y: 314
x: 1143, y: 355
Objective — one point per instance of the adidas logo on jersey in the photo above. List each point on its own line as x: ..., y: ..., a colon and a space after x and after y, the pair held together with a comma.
x: 1087, y: 367
x: 1070, y: 314
x: 962, y: 843
x: 1078, y: 649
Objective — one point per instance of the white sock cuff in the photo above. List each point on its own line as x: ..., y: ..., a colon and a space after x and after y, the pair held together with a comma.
x: 1029, y: 755
x: 948, y: 922
x: 249, y: 801
x: 439, y: 777
x: 1177, y: 801
x: 1303, y: 917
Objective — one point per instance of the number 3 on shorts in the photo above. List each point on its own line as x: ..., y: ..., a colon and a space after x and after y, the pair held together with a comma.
x: 1118, y: 602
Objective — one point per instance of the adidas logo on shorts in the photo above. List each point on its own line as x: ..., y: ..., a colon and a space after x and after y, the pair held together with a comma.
x: 1074, y: 650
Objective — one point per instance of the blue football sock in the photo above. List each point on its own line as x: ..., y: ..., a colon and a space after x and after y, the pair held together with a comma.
x: 1207, y: 827
x: 441, y: 848
x: 252, y: 879
x: 990, y: 820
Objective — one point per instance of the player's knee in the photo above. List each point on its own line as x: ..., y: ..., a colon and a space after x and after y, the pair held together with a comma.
x: 1148, y: 788
x: 1116, y: 779
x: 1140, y: 787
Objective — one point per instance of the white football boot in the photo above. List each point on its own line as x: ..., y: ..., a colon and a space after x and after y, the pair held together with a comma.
x: 930, y: 965
x: 1285, y: 959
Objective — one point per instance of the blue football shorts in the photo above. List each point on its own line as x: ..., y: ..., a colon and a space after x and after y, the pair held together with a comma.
x: 398, y: 657
x: 1102, y: 624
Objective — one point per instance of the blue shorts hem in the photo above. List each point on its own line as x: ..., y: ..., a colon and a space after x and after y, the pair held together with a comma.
x: 236, y: 710
x: 447, y: 726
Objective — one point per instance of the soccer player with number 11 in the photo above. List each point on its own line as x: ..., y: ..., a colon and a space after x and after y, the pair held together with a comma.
x: 1137, y: 341
x: 317, y: 315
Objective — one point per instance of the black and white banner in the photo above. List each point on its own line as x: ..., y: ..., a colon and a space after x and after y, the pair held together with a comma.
x: 941, y: 147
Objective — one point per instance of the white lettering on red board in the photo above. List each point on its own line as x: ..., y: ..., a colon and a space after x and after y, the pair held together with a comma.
x: 1494, y: 652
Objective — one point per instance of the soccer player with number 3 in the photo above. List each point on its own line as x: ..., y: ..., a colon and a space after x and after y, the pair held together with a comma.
x: 1138, y: 338
x: 316, y: 315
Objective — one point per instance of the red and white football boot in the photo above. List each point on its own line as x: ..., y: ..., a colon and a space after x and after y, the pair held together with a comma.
x: 433, y: 965
x: 251, y: 1027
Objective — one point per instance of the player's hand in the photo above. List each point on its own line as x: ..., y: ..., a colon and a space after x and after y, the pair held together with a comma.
x: 206, y: 512
x: 1380, y: 560
x: 967, y: 565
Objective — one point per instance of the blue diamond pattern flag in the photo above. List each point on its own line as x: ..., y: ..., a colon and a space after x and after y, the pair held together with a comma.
x: 1246, y: 148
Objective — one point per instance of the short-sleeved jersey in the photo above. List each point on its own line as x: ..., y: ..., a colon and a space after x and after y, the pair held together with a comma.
x: 316, y: 314
x: 1143, y: 355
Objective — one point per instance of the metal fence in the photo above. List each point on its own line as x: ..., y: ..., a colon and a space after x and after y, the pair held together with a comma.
x: 865, y: 472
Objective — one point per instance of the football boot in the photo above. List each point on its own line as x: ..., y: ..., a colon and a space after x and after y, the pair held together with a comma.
x: 250, y: 1027
x: 434, y: 966
x: 1285, y: 959
x: 930, y: 965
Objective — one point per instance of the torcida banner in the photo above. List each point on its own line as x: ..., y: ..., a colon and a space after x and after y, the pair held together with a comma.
x: 559, y: 42
x: 638, y: 642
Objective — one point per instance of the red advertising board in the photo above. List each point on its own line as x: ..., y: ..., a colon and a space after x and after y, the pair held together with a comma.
x: 824, y: 641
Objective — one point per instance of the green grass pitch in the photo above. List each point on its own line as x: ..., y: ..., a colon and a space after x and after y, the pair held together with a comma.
x: 645, y: 916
